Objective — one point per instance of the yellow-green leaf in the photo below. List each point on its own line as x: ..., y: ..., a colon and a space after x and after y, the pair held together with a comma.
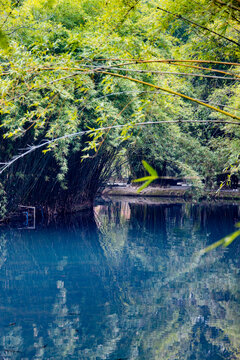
x: 145, y: 178
x: 149, y: 168
x: 44, y: 151
x: 227, y: 240
x: 144, y: 185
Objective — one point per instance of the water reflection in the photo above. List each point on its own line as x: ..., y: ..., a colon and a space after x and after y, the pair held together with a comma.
x: 125, y: 283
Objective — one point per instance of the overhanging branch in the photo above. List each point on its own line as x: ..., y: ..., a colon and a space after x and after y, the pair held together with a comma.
x: 31, y: 149
x: 172, y: 92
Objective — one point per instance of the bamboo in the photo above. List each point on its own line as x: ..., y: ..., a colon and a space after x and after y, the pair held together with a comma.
x: 236, y: 78
x: 172, y: 92
x: 170, y: 61
x: 30, y: 149
x: 200, y: 26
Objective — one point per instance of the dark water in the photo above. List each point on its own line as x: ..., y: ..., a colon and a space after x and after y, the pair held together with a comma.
x: 127, y: 284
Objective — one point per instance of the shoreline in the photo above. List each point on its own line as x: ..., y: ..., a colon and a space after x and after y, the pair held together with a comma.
x: 170, y: 192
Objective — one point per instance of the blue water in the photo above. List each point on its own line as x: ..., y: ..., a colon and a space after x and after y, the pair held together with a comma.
x: 124, y: 282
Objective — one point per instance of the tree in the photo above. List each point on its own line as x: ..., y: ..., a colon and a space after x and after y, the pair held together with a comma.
x: 68, y: 67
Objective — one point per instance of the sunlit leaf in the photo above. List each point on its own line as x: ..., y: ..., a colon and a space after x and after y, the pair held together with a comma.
x: 144, y: 185
x: 149, y: 168
x: 45, y: 151
x: 146, y: 178
x: 227, y: 240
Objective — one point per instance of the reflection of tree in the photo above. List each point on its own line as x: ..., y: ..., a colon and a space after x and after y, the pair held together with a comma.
x: 112, y: 222
x: 3, y: 249
x: 180, y: 305
x: 67, y: 333
x: 64, y: 330
x: 133, y: 288
x: 11, y: 343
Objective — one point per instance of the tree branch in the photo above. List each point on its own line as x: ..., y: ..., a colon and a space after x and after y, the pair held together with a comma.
x: 80, y: 133
x: 172, y: 92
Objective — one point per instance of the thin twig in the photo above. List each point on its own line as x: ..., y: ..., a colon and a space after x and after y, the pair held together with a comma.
x: 198, y: 25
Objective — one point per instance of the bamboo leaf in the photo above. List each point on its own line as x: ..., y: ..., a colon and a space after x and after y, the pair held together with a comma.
x: 148, y: 179
x: 144, y: 185
x: 227, y: 240
x: 45, y: 151
x: 149, y: 169
x: 211, y: 247
x: 230, y: 238
x: 145, y: 178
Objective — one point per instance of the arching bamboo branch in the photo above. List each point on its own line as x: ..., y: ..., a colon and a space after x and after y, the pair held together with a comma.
x: 169, y: 61
x: 56, y: 68
x: 236, y: 78
x: 7, y: 164
x: 172, y: 92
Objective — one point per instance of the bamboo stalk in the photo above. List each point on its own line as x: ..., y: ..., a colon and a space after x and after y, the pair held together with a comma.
x: 172, y: 92
x: 170, y: 61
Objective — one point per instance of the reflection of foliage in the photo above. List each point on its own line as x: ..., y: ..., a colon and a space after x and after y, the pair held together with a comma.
x: 63, y: 331
x: 112, y: 224
x: 111, y: 336
x: 137, y: 290
x: 227, y: 240
x: 12, y: 343
x: 185, y: 296
x: 3, y: 201
x: 3, y: 249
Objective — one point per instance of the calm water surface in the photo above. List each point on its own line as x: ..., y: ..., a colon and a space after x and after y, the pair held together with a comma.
x: 124, y: 282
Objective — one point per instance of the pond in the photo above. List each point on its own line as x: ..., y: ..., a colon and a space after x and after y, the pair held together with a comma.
x: 123, y: 282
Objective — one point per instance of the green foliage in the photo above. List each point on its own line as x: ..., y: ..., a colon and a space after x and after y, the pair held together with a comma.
x: 53, y: 84
x: 3, y: 40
